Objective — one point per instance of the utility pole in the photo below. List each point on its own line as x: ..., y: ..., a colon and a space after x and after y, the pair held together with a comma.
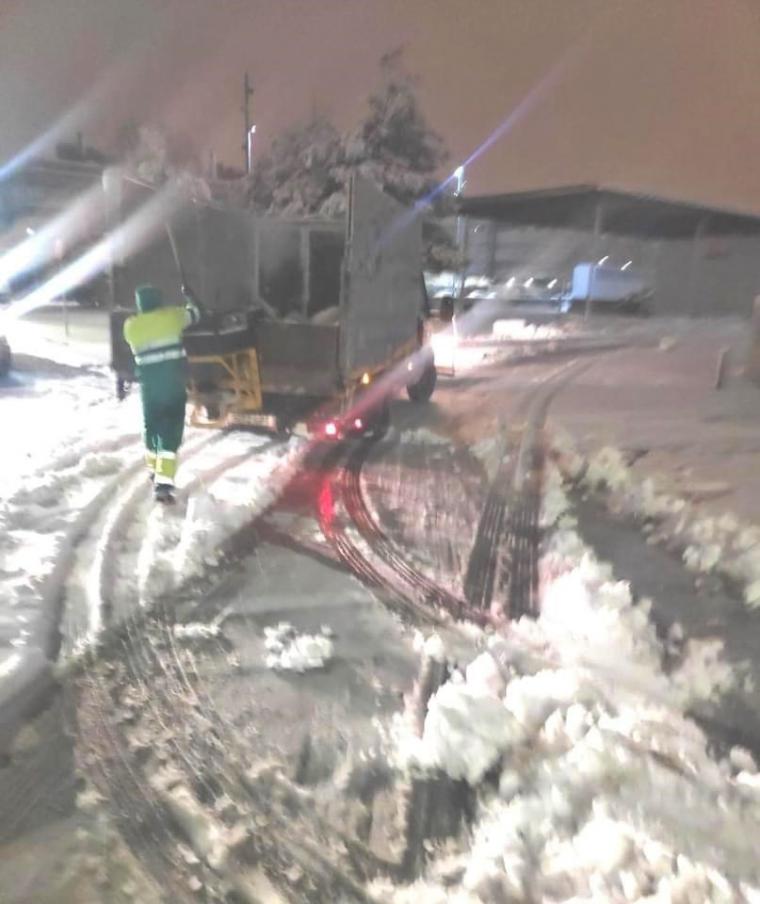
x: 247, y: 95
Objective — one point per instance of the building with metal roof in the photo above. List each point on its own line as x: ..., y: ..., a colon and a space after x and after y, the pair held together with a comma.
x: 612, y: 210
x: 700, y: 259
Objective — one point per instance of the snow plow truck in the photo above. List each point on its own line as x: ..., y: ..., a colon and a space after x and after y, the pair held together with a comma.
x: 308, y: 323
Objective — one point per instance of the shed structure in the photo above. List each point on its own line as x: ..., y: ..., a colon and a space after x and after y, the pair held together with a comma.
x: 701, y: 260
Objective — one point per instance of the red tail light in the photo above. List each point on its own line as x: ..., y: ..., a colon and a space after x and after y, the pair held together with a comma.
x: 358, y: 423
x: 331, y: 428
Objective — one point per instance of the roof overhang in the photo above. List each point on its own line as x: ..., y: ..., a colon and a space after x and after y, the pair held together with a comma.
x: 622, y: 212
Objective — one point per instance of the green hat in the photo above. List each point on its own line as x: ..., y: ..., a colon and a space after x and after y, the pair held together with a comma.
x: 148, y: 298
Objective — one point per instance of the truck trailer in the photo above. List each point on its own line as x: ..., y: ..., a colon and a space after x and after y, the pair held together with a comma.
x: 308, y: 322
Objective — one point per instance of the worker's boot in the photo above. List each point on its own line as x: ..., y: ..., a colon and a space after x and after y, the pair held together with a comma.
x: 163, y: 492
x: 150, y: 462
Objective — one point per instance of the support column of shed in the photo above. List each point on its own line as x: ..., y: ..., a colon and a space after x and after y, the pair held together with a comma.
x: 596, y: 242
x: 696, y: 243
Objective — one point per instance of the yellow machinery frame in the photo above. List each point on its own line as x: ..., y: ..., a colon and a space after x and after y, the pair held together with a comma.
x: 242, y: 385
x: 242, y: 379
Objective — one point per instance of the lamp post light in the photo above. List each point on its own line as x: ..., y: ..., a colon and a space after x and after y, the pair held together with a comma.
x: 458, y: 174
x: 249, y: 149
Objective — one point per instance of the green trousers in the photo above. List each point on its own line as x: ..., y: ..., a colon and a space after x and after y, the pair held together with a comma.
x: 163, y: 395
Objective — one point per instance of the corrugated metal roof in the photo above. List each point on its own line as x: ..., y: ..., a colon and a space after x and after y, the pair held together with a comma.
x: 624, y: 212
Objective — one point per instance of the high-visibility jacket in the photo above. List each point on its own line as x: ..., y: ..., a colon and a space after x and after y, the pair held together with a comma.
x: 156, y: 335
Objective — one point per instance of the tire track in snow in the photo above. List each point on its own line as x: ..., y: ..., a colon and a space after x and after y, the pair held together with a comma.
x: 509, y: 522
x: 149, y: 652
x: 417, y: 583
x: 102, y: 526
x: 30, y: 678
x: 104, y: 577
x: 376, y: 560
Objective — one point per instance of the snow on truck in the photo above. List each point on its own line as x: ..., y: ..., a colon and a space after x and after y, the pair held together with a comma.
x: 313, y: 322
x: 607, y: 286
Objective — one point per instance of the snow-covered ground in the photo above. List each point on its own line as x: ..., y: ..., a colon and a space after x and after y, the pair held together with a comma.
x: 522, y: 331
x: 72, y: 474
x: 724, y: 544
x: 65, y: 333
x: 55, y: 412
x: 593, y: 784
x: 65, y: 443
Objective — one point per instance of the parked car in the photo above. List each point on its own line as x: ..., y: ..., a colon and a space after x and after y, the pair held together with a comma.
x: 607, y: 287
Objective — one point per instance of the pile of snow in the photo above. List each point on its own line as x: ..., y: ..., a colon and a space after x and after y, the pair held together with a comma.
x: 554, y: 502
x: 593, y: 784
x: 431, y: 647
x: 723, y: 544
x: 522, y: 331
x: 197, y: 631
x: 607, y: 468
x: 490, y: 451
x: 570, y: 463
x: 293, y: 652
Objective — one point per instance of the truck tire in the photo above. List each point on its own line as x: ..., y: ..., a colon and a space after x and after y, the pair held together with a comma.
x: 381, y: 421
x: 422, y: 390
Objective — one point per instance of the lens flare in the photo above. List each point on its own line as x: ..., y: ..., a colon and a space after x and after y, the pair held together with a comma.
x: 42, y: 245
x: 542, y: 87
x: 128, y: 237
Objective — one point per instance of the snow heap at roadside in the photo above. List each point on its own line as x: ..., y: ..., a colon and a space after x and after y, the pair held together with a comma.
x: 723, y: 544
x: 593, y: 784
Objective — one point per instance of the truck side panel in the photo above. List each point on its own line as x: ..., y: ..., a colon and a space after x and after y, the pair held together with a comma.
x: 382, y: 289
x: 215, y: 249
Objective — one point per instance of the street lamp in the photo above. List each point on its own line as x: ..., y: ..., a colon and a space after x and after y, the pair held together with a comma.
x: 626, y: 265
x: 459, y: 176
x: 249, y: 148
x: 604, y: 260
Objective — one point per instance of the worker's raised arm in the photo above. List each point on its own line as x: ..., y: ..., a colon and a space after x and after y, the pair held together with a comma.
x: 193, y: 310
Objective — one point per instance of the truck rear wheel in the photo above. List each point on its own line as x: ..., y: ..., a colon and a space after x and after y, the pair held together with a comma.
x: 422, y: 390
x: 381, y: 421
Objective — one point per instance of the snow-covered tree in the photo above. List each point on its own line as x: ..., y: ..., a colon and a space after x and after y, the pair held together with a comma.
x: 394, y: 144
x: 303, y: 173
x: 150, y: 155
x: 307, y: 168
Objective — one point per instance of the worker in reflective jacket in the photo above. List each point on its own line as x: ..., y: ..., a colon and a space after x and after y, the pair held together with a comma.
x: 155, y: 336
